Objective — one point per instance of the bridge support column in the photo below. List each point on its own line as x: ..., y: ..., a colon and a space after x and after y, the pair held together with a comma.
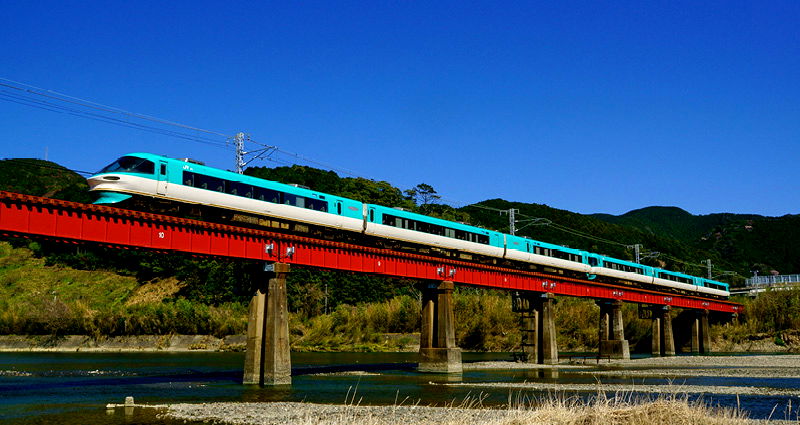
x: 663, y: 340
x: 612, y: 331
x: 538, y: 326
x: 267, y: 360
x: 548, y: 347
x: 701, y: 339
x: 530, y: 333
x: 438, y: 352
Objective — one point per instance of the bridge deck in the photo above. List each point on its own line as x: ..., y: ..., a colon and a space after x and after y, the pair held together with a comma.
x: 26, y: 215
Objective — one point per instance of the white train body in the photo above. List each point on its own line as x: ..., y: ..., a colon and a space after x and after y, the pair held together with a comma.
x: 117, y: 186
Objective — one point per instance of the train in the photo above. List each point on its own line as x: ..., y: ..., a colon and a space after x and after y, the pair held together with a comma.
x: 185, y: 182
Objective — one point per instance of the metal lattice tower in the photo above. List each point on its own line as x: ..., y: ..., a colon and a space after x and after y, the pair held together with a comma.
x: 238, y: 142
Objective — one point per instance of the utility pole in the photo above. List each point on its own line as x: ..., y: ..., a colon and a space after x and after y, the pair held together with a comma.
x: 708, y: 267
x: 637, y: 252
x: 512, y: 221
x: 238, y: 142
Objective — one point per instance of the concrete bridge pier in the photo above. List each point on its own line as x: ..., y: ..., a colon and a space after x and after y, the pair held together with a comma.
x: 612, y: 332
x: 538, y: 327
x: 267, y: 360
x: 663, y: 339
x: 701, y: 339
x: 438, y: 352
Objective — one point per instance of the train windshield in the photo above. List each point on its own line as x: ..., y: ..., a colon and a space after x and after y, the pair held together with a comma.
x: 130, y: 164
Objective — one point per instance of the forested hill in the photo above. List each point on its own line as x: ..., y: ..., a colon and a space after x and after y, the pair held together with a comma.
x: 42, y: 178
x: 736, y: 242
x: 676, y: 223
x: 744, y: 242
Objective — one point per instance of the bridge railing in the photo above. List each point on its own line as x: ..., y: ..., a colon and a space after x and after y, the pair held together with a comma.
x: 772, y: 280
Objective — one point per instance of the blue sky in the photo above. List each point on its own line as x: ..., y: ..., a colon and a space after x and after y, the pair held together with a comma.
x: 585, y: 106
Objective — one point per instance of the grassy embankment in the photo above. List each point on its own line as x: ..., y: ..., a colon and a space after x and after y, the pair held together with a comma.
x: 36, y: 299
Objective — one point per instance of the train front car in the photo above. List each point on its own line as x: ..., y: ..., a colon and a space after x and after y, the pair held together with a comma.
x: 130, y: 175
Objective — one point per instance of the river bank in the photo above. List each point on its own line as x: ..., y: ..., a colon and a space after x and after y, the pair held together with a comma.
x: 131, y: 343
x: 181, y: 343
x: 391, y: 342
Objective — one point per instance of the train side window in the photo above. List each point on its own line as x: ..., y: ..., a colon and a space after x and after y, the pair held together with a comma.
x: 339, y: 208
x: 239, y: 189
x: 267, y: 195
x: 209, y: 183
x: 317, y: 205
x: 163, y: 169
x: 188, y: 178
x: 593, y: 261
x: 372, y: 215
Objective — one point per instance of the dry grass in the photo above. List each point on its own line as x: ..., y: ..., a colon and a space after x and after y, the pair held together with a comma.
x: 624, y: 410
x: 551, y: 410
x: 155, y: 291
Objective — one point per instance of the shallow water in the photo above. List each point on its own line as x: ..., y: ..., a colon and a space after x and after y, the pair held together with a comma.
x: 73, y: 388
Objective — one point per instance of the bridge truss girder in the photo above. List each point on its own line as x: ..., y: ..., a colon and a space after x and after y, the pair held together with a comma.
x: 31, y: 216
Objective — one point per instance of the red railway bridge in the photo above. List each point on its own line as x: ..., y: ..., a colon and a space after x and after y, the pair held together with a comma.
x: 267, y: 358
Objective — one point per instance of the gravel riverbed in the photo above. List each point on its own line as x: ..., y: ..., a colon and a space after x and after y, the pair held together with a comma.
x: 290, y: 413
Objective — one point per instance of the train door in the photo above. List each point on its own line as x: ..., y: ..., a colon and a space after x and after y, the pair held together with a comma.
x: 161, y: 176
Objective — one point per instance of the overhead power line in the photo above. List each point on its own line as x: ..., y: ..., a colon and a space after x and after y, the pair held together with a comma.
x: 53, y: 101
x: 16, y: 85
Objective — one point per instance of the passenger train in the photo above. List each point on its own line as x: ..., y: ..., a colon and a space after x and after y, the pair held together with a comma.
x: 184, y: 182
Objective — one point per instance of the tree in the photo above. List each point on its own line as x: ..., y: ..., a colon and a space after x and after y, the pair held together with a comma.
x: 422, y: 194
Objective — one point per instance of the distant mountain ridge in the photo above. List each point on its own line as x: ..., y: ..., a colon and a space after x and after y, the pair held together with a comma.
x: 675, y: 222
x: 745, y: 242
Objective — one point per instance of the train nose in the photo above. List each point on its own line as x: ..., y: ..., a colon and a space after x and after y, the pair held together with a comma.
x: 95, y: 181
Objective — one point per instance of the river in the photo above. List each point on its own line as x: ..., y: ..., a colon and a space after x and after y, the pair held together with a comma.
x: 74, y: 388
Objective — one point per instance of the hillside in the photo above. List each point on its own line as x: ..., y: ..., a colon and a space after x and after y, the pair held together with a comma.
x: 674, y: 222
x: 42, y: 178
x: 741, y: 242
